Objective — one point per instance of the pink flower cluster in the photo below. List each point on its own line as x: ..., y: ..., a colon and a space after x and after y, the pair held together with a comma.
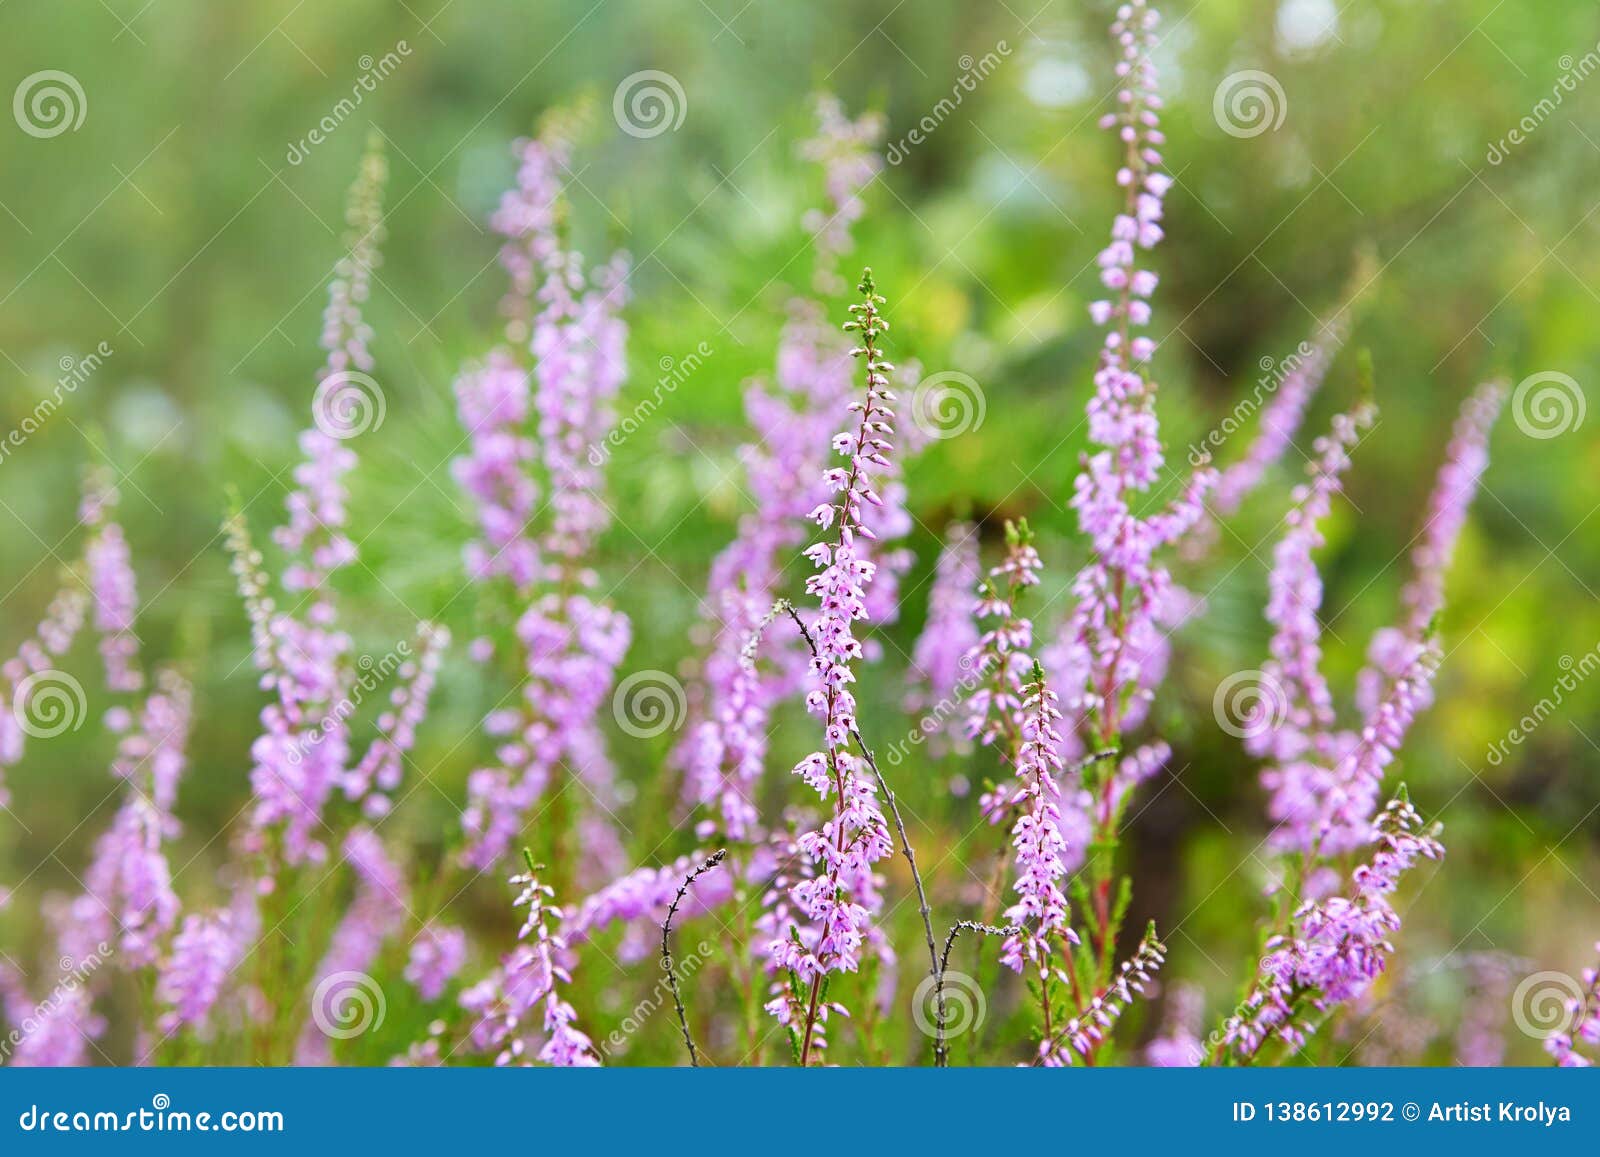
x: 527, y: 983
x: 565, y: 324
x: 1041, y: 907
x: 1583, y: 1025
x: 1338, y: 946
x: 837, y: 899
x: 1112, y: 637
x: 724, y: 749
x: 942, y: 660
x: 1324, y: 783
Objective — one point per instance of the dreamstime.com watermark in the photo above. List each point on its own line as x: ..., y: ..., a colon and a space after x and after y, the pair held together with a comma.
x: 648, y: 703
x: 660, y: 994
x: 373, y: 72
x: 49, y: 703
x: 674, y: 372
x: 347, y: 404
x: 948, y: 404
x: 160, y: 1117
x: 76, y: 974
x: 973, y: 72
x: 933, y: 721
x: 74, y: 372
x: 1573, y: 73
x: 648, y: 103
x: 965, y: 1006
x: 1546, y: 1003
x: 347, y: 1004
x: 374, y: 674
x: 1548, y: 404
x: 1577, y: 671
x: 1248, y: 704
x: 1248, y: 103
x: 1273, y: 374
x: 49, y: 103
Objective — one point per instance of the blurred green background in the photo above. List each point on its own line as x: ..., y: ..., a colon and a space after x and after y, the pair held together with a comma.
x: 172, y: 226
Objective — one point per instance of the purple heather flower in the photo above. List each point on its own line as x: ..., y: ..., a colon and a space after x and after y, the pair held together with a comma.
x: 205, y: 951
x: 1465, y: 459
x: 299, y: 759
x: 116, y: 597
x: 1488, y: 981
x: 724, y: 749
x: 1281, y: 417
x: 1001, y: 656
x: 1179, y: 1045
x: 153, y: 755
x: 1584, y: 1026
x: 1041, y: 908
x: 1299, y: 708
x: 435, y: 956
x: 568, y: 644
x: 128, y: 896
x: 941, y: 662
x: 1112, y: 638
x: 56, y: 1032
x: 379, y: 770
x: 724, y: 752
x: 838, y: 895
x: 314, y: 533
x: 848, y: 153
x: 50, y: 639
x: 1337, y: 946
x: 494, y: 404
x: 529, y: 981
x: 642, y: 896
x: 1084, y: 1033
x: 374, y: 916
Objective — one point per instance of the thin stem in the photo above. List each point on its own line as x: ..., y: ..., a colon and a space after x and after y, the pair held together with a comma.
x: 941, y: 1051
x: 666, y: 948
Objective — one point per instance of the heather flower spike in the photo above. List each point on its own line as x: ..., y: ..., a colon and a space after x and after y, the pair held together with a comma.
x: 1045, y: 939
x: 1335, y: 948
x: 300, y: 755
x: 841, y: 892
x: 543, y: 403
x: 528, y: 984
x: 941, y: 663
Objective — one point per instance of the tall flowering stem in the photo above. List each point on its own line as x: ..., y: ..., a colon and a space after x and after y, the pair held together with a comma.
x: 723, y: 753
x: 1295, y: 595
x: 559, y: 373
x: 666, y: 948
x: 111, y: 580
x: 1466, y: 457
x: 1084, y: 1033
x: 837, y: 899
x: 1112, y: 633
x: 527, y: 983
x: 1001, y: 656
x: 936, y: 963
x: 1045, y: 937
x: 299, y: 758
x: 1302, y: 376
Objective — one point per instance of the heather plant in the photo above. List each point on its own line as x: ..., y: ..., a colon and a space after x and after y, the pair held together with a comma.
x: 336, y: 933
